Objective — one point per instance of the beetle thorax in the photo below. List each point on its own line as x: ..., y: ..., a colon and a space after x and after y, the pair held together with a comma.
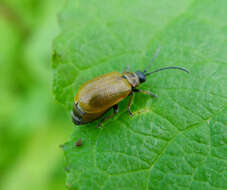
x: 132, y: 78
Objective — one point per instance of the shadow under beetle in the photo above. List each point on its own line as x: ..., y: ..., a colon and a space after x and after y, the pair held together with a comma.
x: 104, y: 92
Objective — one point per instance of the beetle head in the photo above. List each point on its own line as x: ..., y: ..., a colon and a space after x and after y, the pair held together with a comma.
x: 141, y: 76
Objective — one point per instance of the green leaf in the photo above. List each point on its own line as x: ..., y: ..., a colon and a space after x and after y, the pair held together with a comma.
x: 177, y: 141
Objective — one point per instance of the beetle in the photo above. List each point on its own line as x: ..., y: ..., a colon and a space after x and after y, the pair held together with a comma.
x: 104, y: 92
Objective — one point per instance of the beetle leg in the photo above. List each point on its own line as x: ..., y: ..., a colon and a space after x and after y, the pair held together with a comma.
x: 115, y: 110
x: 130, y: 103
x: 145, y: 92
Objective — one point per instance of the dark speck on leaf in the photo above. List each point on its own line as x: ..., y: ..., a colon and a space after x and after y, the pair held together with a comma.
x: 79, y: 142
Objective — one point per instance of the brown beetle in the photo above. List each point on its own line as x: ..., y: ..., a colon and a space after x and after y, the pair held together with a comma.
x: 102, y: 93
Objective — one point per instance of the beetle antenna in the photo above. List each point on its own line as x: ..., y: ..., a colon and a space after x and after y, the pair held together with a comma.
x: 153, y: 58
x: 166, y: 68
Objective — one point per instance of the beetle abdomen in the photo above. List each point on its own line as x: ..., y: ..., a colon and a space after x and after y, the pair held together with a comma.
x: 103, y: 92
x: 86, y: 118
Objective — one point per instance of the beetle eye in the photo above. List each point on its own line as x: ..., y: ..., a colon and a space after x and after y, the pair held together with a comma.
x: 141, y: 76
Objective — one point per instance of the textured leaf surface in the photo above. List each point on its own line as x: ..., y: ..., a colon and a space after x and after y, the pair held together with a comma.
x: 178, y: 141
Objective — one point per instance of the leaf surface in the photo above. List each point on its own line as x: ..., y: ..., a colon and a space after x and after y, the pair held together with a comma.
x: 177, y: 141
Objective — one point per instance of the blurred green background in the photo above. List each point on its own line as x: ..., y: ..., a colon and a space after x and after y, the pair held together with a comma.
x: 32, y: 124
